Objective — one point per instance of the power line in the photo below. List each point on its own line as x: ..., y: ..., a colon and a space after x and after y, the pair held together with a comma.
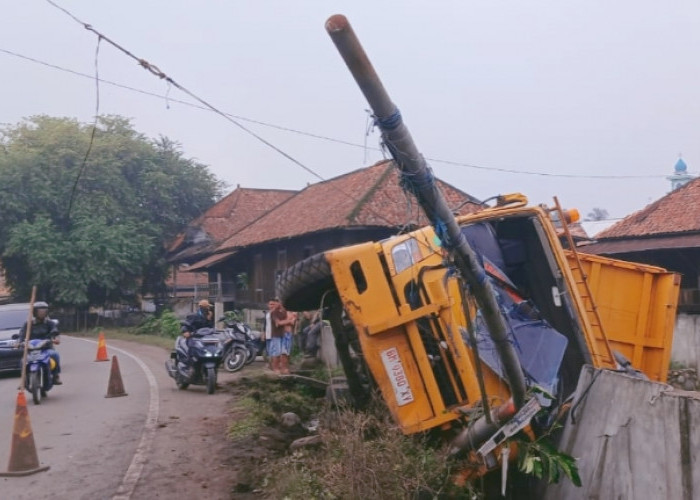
x: 152, y: 68
x: 92, y: 133
x: 325, y: 137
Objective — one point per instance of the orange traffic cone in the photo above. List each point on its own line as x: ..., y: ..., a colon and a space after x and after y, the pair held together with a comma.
x: 23, y: 457
x: 101, y: 348
x: 115, y: 388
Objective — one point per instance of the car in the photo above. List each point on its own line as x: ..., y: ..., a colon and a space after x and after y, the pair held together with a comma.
x: 12, y: 317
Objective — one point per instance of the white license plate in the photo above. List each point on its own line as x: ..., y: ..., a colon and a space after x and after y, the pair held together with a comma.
x: 397, y: 375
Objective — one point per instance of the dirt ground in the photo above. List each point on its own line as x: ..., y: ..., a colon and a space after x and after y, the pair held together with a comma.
x: 191, y: 456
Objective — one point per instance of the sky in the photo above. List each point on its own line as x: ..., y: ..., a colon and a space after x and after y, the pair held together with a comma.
x: 576, y: 88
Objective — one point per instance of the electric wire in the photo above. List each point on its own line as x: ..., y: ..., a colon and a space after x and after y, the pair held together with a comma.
x: 153, y: 69
x: 326, y: 138
x: 81, y: 170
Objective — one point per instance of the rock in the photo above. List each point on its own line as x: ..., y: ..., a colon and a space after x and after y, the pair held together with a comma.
x: 680, y: 379
x: 290, y: 420
x: 689, y: 385
x: 309, y: 362
x: 305, y: 442
x: 273, y: 439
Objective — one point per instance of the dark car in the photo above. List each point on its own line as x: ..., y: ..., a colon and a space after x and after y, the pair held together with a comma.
x: 12, y: 317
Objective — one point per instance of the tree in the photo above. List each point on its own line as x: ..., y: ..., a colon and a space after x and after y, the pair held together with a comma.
x: 597, y: 214
x: 98, y: 236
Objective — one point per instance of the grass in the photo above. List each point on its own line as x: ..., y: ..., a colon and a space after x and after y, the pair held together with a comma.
x: 362, y: 454
x: 126, y: 334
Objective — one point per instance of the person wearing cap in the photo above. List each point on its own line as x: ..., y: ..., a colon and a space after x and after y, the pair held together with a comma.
x: 203, y: 318
x: 44, y: 327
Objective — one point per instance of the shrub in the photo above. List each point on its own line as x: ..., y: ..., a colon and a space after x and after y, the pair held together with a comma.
x: 167, y: 325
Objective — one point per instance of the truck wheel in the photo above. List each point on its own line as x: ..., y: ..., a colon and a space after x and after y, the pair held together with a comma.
x: 302, y: 286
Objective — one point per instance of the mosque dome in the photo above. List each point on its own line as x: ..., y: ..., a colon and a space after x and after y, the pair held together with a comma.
x: 680, y: 167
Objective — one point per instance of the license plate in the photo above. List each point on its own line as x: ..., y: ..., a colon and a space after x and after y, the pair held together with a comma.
x: 397, y: 376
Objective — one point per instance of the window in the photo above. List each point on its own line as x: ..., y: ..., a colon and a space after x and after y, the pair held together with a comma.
x: 281, y: 260
x: 405, y: 254
x: 258, y: 271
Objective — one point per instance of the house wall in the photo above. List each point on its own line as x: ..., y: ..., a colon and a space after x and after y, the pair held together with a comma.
x: 262, y: 263
x: 686, y: 341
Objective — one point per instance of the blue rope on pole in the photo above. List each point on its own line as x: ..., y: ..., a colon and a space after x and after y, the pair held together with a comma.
x: 390, y: 122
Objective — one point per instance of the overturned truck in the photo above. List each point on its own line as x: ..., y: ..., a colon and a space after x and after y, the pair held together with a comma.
x: 479, y: 325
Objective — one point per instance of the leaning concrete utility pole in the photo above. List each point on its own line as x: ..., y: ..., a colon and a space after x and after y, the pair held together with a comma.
x: 417, y: 178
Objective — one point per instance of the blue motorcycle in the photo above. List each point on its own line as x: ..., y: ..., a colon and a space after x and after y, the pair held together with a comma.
x: 40, y: 368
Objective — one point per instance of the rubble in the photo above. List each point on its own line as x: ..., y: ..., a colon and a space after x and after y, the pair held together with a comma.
x: 684, y: 378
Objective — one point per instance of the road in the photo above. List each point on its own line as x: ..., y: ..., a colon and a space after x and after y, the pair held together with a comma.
x: 157, y: 442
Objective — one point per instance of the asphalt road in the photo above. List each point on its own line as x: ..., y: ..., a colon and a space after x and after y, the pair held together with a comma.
x: 89, y: 441
x: 157, y: 442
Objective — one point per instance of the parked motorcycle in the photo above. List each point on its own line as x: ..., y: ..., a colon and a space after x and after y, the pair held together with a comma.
x: 40, y: 368
x: 242, y: 347
x: 201, y: 366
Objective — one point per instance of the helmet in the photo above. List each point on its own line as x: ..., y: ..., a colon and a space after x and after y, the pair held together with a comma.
x: 40, y: 305
x: 204, y: 303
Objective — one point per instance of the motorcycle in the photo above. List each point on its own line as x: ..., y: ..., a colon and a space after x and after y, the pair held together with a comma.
x: 201, y: 366
x: 241, y: 345
x: 39, y: 369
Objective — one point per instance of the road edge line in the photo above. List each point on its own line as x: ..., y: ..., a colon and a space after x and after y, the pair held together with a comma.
x: 133, y: 473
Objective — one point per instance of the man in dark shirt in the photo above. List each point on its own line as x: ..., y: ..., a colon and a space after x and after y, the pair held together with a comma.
x: 203, y: 318
x: 44, y: 327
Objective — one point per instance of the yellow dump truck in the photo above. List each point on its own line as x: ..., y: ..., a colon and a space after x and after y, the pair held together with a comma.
x: 479, y: 325
x: 418, y: 334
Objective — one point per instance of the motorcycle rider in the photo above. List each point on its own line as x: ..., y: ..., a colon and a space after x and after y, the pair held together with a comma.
x: 203, y: 318
x: 44, y: 327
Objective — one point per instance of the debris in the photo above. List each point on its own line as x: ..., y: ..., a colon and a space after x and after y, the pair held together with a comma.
x: 305, y: 442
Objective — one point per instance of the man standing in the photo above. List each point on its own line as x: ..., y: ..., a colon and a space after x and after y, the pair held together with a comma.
x: 281, y: 337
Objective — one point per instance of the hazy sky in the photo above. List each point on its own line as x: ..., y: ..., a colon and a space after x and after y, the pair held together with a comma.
x: 588, y: 87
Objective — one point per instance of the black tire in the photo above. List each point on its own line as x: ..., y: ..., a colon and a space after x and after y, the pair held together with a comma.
x: 302, y: 286
x: 35, y: 386
x: 252, y: 354
x: 179, y: 383
x: 235, y: 359
x: 211, y: 380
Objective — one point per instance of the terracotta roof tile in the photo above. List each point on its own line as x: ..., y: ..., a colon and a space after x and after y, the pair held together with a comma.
x: 677, y: 212
x: 367, y: 197
x: 232, y: 213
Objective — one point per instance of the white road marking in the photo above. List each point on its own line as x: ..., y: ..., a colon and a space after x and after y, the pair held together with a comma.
x: 133, y: 473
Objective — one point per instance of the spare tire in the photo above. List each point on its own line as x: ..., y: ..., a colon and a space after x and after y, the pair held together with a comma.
x: 302, y: 286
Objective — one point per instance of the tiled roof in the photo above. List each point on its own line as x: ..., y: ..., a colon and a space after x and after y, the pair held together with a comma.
x: 578, y: 232
x: 231, y: 214
x: 677, y: 212
x: 369, y: 197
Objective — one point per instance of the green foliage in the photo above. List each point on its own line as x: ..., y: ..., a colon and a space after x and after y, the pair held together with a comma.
x: 233, y: 316
x: 167, y: 325
x: 134, y: 194
x: 542, y: 460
